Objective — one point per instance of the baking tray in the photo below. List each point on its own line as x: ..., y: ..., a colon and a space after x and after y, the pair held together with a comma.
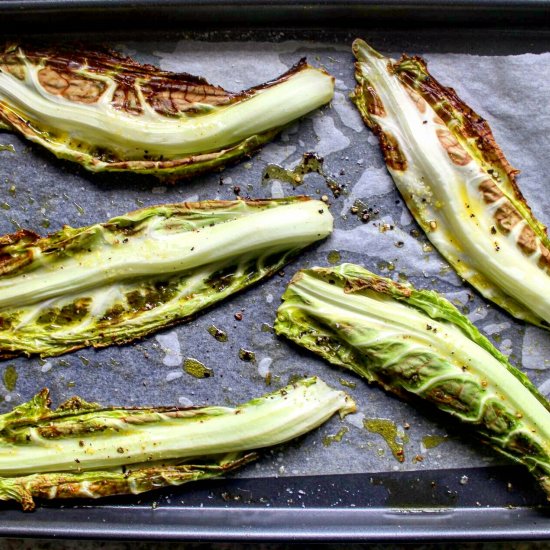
x: 460, y: 492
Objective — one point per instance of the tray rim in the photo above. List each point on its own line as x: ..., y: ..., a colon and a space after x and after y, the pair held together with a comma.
x: 376, y: 524
x: 191, y: 14
x: 120, y: 518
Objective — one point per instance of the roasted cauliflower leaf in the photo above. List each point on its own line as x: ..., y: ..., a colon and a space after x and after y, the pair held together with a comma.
x: 85, y: 450
x: 113, y: 282
x: 416, y: 344
x: 109, y: 113
x: 456, y: 182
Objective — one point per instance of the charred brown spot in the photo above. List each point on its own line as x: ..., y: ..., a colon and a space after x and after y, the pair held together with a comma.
x: 377, y: 284
x: 490, y: 191
x: 11, y: 64
x: 82, y: 428
x: 27, y: 502
x: 527, y: 241
x: 172, y: 98
x: 456, y: 152
x: 544, y: 260
x: 74, y: 490
x: 373, y: 102
x: 76, y: 403
x: 67, y: 489
x: 52, y: 81
x: 507, y: 217
x: 419, y: 102
x: 84, y: 90
x: 15, y: 251
x: 184, y: 99
x: 145, y: 298
x: 522, y: 444
x: 160, y: 101
x: 21, y: 238
x: 71, y: 86
x: 456, y: 395
x: 16, y: 121
x: 6, y: 323
x: 127, y: 227
x: 393, y: 155
x: 49, y: 432
x: 222, y: 279
x: 69, y: 314
x: 126, y: 99
x: 114, y: 313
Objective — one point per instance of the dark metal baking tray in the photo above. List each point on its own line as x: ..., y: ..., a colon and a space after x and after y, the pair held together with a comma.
x: 498, y: 501
x: 331, y: 14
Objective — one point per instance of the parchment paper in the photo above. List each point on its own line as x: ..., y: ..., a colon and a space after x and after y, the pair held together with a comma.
x: 38, y: 191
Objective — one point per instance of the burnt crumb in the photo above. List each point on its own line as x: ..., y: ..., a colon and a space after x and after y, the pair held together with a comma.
x: 228, y: 497
x: 238, y: 316
x: 364, y: 212
x: 218, y: 334
x: 247, y: 355
x: 236, y: 190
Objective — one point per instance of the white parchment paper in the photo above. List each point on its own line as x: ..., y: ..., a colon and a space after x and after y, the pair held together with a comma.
x: 511, y: 92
